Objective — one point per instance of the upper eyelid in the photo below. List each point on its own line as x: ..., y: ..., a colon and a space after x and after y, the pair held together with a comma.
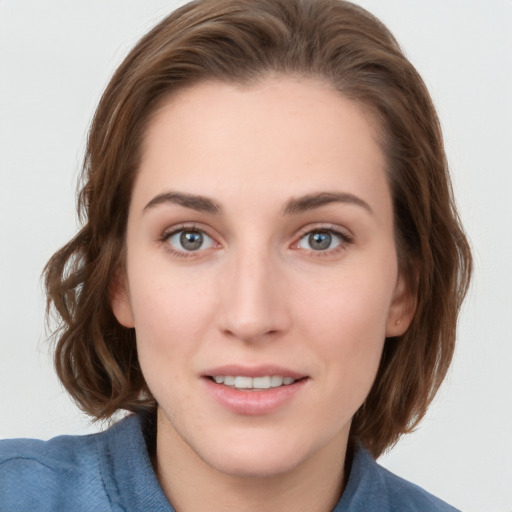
x: 345, y: 241
x: 167, y: 234
x: 343, y: 232
x: 193, y: 226
x: 173, y: 230
x: 339, y: 230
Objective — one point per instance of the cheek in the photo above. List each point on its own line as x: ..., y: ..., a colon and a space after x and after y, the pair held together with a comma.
x: 345, y: 322
x: 171, y: 312
x: 342, y: 328
x: 352, y: 307
x: 171, y: 319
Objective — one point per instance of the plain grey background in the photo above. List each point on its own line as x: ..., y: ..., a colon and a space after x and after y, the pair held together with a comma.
x: 55, y: 59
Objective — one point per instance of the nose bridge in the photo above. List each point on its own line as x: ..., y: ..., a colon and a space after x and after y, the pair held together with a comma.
x: 252, y: 305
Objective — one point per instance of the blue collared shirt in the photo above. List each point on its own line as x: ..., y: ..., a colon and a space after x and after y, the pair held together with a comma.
x: 111, y: 471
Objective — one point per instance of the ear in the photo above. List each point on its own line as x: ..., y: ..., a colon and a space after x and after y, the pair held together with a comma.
x: 120, y: 300
x: 401, y: 310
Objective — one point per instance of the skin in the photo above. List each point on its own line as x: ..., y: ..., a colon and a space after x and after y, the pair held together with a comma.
x: 257, y: 292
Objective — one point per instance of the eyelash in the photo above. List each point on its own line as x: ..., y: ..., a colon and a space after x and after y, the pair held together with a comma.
x: 166, y: 236
x: 343, y: 235
x: 345, y: 239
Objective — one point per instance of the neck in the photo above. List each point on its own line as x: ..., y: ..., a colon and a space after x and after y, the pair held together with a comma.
x: 190, y: 483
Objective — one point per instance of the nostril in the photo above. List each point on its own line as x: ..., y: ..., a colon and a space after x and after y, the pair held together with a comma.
x: 251, y: 333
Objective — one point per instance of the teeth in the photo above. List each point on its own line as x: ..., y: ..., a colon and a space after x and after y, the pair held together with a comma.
x: 261, y: 382
x: 243, y: 382
x: 265, y: 382
x: 276, y: 381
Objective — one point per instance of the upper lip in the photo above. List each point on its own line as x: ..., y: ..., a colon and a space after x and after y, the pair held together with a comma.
x: 253, y: 371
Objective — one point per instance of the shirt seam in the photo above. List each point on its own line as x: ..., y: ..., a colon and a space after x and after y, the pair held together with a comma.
x: 32, y: 459
x: 102, y: 475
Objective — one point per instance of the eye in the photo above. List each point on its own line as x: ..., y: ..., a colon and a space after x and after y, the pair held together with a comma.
x: 321, y: 240
x: 189, y: 240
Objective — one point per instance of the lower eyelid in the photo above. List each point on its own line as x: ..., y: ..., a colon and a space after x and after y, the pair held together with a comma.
x: 172, y: 232
x: 342, y: 235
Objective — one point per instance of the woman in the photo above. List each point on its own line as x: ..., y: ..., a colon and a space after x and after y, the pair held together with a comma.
x: 268, y: 275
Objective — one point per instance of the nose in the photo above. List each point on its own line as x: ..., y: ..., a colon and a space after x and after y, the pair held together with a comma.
x: 254, y: 305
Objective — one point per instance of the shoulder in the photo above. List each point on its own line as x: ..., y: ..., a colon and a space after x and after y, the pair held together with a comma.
x: 62, y: 473
x: 109, y: 472
x: 404, y: 495
x: 373, y: 488
x: 59, y: 453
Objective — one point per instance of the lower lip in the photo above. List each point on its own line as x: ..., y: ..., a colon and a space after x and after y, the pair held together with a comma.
x: 254, y: 402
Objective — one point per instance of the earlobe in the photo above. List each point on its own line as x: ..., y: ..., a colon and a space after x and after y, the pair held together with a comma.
x: 402, y: 309
x: 120, y: 301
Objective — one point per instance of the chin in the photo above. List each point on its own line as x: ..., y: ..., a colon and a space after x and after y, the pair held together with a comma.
x: 255, y: 465
x: 256, y: 455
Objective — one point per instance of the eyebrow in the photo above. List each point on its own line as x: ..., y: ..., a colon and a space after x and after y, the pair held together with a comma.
x: 312, y: 201
x: 192, y: 201
x: 293, y: 206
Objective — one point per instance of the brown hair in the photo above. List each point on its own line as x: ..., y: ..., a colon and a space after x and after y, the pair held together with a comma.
x: 243, y: 41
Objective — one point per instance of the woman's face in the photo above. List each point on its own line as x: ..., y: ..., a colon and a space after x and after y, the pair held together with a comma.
x: 260, y: 251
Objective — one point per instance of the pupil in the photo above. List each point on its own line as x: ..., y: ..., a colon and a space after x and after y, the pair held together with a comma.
x: 320, y: 241
x: 191, y: 240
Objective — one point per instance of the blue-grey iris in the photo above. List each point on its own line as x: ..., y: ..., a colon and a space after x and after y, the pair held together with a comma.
x: 320, y: 240
x: 191, y: 240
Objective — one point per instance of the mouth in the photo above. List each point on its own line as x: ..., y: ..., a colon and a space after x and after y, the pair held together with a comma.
x: 254, y: 390
x: 246, y: 383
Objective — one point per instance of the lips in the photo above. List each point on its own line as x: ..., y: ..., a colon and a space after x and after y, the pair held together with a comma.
x: 253, y: 390
x: 253, y: 371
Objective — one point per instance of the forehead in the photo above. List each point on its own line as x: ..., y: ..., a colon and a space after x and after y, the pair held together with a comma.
x: 282, y: 134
